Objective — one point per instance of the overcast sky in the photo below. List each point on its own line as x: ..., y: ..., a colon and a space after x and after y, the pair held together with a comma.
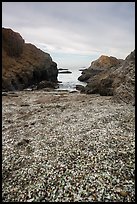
x: 74, y: 33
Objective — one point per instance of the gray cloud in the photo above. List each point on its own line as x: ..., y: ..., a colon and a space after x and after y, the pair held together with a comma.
x: 90, y: 28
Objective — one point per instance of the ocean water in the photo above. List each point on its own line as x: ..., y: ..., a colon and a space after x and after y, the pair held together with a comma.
x: 69, y: 81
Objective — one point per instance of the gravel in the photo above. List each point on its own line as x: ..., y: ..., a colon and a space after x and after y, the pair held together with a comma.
x: 60, y: 146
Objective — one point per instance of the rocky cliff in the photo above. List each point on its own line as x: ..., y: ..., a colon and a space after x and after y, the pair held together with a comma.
x: 23, y: 64
x: 111, y: 76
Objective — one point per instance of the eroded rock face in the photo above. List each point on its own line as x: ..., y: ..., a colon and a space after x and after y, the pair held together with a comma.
x: 114, y: 78
x: 24, y: 64
x: 124, y: 80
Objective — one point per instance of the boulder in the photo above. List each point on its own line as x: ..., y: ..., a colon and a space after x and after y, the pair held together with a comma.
x: 80, y: 87
x: 46, y: 84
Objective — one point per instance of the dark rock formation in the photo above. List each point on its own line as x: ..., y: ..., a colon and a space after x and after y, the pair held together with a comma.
x: 65, y: 72
x: 62, y: 69
x: 23, y: 64
x: 80, y: 88
x: 110, y: 76
x: 45, y: 84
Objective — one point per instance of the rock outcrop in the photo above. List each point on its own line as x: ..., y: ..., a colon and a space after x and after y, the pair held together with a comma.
x: 109, y: 76
x: 98, y: 66
x: 23, y: 64
x: 124, y: 80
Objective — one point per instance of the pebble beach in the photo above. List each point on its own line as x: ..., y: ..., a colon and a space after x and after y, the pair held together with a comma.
x: 59, y: 146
